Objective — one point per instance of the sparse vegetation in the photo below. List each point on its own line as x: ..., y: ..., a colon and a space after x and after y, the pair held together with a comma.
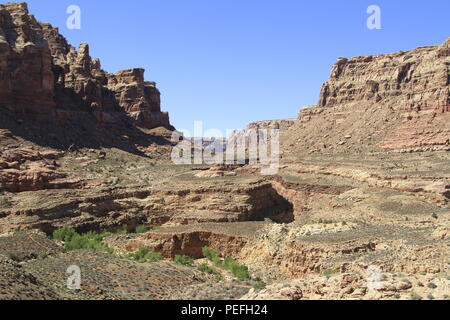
x: 329, y: 272
x: 259, y: 284
x: 183, y: 260
x: 322, y: 221
x: 75, y: 241
x: 209, y: 254
x: 12, y: 256
x: 141, y: 229
x: 237, y: 270
x: 415, y: 296
x: 64, y: 234
x: 144, y: 255
x: 86, y: 241
x: 212, y: 256
x: 431, y: 285
x: 210, y: 270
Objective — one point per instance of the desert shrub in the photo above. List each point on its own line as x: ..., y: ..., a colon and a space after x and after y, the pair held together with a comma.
x: 154, y: 256
x: 86, y: 241
x: 329, y: 272
x: 144, y: 255
x: 239, y: 271
x: 64, y: 234
x: 141, y: 229
x: 209, y: 254
x: 206, y: 268
x: 259, y: 284
x: 183, y: 260
x: 75, y: 241
x: 12, y: 256
x: 415, y: 296
x: 431, y: 285
x: 212, y: 256
x: 228, y: 263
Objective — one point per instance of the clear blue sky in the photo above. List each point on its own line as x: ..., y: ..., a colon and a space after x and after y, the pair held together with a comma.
x: 231, y: 62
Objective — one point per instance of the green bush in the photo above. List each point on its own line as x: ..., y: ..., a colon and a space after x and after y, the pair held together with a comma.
x: 75, y: 241
x: 212, y: 256
x: 144, y: 255
x: 210, y: 270
x: 228, y: 263
x: 206, y: 268
x: 183, y: 260
x: 86, y: 241
x: 209, y: 254
x: 64, y: 234
x: 239, y: 271
x: 141, y: 229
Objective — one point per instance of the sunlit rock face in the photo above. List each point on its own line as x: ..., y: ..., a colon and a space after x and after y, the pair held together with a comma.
x: 43, y: 77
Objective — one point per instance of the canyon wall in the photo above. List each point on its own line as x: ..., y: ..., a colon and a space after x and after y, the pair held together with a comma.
x: 43, y: 77
x: 398, y: 102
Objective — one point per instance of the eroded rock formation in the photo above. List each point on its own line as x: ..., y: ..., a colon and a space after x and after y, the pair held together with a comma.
x: 398, y: 101
x: 43, y: 77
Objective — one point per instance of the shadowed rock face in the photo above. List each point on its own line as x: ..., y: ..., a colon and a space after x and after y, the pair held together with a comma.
x: 43, y: 77
x: 26, y: 77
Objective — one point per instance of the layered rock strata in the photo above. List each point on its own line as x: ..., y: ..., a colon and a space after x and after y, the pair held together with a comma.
x: 43, y: 77
x: 391, y: 102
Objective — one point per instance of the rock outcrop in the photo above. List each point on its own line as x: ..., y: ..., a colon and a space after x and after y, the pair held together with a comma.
x: 26, y: 76
x: 43, y: 77
x: 390, y: 102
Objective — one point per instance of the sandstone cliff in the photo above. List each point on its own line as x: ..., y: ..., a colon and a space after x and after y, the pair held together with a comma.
x: 397, y: 101
x: 42, y: 77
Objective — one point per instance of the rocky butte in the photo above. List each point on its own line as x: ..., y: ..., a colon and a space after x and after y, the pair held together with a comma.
x: 392, y: 102
x: 359, y: 209
x: 44, y: 78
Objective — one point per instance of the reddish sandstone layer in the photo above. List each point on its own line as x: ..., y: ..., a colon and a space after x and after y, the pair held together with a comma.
x: 398, y: 101
x: 42, y: 76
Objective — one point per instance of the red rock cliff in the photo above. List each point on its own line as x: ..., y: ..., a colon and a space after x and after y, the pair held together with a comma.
x: 42, y: 76
x: 398, y: 101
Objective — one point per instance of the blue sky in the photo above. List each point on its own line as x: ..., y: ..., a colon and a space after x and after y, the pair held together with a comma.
x: 231, y: 62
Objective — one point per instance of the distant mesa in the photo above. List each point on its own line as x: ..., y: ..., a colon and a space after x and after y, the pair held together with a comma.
x: 391, y: 102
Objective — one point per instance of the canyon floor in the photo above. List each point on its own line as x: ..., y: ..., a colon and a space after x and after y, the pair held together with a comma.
x: 325, y: 227
x: 359, y: 207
